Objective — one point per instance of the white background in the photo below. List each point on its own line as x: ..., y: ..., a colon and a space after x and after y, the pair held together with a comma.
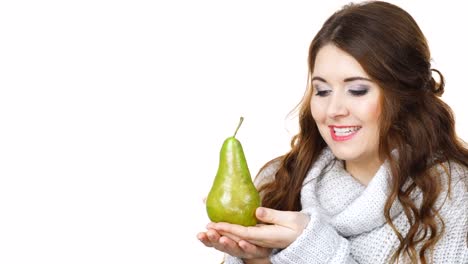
x: 112, y: 114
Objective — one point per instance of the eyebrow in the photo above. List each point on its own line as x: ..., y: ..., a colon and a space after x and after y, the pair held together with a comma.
x: 350, y: 79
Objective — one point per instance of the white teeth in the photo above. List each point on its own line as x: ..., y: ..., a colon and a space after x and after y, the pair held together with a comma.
x: 345, y: 131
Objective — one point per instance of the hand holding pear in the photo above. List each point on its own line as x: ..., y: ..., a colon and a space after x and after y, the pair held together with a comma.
x: 233, y: 197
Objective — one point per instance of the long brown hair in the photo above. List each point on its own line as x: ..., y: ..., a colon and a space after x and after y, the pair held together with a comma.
x: 392, y: 49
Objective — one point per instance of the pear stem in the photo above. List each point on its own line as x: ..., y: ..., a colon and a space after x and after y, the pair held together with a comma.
x: 240, y: 123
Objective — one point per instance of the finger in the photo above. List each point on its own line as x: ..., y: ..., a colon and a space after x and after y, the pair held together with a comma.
x: 229, y: 246
x: 227, y: 242
x: 262, y: 235
x: 223, y: 233
x: 293, y: 220
x: 229, y: 235
x: 237, y: 232
x: 247, y: 247
x: 271, y: 216
x: 253, y: 250
x: 204, y: 239
x: 212, y: 235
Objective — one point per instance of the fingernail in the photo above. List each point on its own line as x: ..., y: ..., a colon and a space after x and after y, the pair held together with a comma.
x: 261, y: 212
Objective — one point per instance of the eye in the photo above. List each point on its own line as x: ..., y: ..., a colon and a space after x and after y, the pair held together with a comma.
x: 359, y: 91
x: 321, y: 91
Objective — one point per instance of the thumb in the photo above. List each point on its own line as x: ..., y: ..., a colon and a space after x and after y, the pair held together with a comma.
x: 270, y: 216
x: 288, y: 219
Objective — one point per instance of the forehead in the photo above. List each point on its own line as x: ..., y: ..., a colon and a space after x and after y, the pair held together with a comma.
x: 334, y: 63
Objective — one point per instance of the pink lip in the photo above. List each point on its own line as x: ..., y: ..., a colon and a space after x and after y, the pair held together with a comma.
x: 340, y: 138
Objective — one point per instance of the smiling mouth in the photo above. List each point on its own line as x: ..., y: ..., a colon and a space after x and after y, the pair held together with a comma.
x: 343, y: 133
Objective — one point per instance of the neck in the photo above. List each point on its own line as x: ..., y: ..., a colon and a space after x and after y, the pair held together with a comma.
x: 363, y: 171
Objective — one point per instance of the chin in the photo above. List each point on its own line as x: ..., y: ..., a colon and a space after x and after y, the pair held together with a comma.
x: 342, y: 153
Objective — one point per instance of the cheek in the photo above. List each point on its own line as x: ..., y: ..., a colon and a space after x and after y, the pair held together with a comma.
x: 317, y: 112
x: 370, y: 112
x: 376, y: 111
x: 370, y: 115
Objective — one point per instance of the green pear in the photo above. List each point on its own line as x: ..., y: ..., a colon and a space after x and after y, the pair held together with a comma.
x: 233, y: 197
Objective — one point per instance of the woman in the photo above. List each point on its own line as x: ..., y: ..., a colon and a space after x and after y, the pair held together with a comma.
x: 376, y: 173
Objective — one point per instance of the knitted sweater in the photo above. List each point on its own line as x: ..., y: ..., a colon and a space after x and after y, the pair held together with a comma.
x: 347, y: 224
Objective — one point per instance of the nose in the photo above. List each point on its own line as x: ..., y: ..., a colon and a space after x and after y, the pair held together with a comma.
x: 337, y: 106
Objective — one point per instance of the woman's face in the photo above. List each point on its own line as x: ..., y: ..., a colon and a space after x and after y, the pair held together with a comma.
x: 346, y: 106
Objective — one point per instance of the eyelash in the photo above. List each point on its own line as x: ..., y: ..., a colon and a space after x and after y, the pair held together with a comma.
x: 352, y: 92
x: 323, y: 93
x: 358, y: 92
